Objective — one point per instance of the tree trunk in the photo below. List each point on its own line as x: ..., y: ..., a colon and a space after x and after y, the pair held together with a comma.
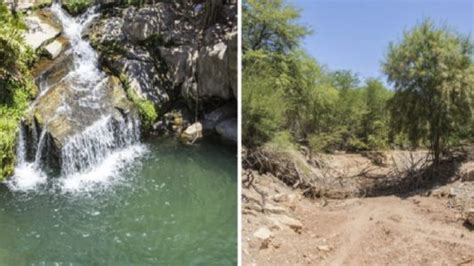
x: 436, y: 149
x: 212, y: 9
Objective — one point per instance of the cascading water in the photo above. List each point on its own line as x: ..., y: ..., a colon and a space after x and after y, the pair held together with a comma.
x: 95, y: 155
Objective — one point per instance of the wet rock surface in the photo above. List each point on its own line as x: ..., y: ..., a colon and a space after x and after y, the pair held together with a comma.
x: 63, y: 113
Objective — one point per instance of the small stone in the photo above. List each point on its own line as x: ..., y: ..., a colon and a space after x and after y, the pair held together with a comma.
x: 324, y: 248
x: 292, y: 223
x: 275, y: 209
x: 470, y: 216
x: 282, y: 197
x: 192, y: 133
x: 264, y: 235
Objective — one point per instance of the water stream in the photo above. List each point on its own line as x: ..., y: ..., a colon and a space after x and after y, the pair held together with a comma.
x: 115, y: 200
x: 95, y: 156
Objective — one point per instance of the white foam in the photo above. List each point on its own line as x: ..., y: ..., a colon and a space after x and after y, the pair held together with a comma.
x: 27, y: 177
x: 96, y: 156
x: 105, y: 174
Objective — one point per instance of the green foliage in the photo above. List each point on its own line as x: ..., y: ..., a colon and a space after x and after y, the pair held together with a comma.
x: 75, y: 7
x: 288, y: 97
x: 146, y: 108
x: 262, y: 98
x: 285, y: 90
x: 375, y: 120
x: 16, y: 85
x: 270, y: 25
x: 431, y: 70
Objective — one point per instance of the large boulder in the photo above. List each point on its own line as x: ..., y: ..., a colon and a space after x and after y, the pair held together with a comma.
x: 232, y: 61
x: 180, y: 67
x: 142, y: 23
x: 143, y: 77
x: 217, y: 65
x: 225, y: 112
x: 48, y: 72
x: 40, y: 29
x: 63, y: 112
x: 22, y: 5
x: 227, y: 129
x: 213, y: 80
x: 223, y: 121
x: 107, y: 30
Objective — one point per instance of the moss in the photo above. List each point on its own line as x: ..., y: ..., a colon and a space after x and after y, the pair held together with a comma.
x: 76, y: 7
x: 11, y: 111
x: 146, y: 108
x: 16, y: 84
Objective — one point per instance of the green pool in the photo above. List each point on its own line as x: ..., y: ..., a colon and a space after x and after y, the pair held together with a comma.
x: 173, y: 205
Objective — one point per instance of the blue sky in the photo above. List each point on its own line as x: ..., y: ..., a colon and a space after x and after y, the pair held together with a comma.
x: 355, y: 34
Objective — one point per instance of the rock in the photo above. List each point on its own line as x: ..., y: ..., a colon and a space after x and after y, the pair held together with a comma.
x: 119, y: 41
x: 467, y: 171
x: 22, y: 5
x: 227, y: 129
x: 39, y: 30
x: 142, y: 75
x: 141, y: 24
x: 292, y: 223
x: 192, y: 133
x: 155, y: 49
x: 264, y: 235
x: 62, y: 113
x: 324, y: 248
x: 275, y: 209
x: 54, y: 49
x: 284, y: 198
x: 212, y: 119
x: 470, y: 216
x: 213, y: 76
x: 180, y: 62
x: 232, y: 63
x: 289, y: 200
x: 108, y: 30
x: 49, y: 72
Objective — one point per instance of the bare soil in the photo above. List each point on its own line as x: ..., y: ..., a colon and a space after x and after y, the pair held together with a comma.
x: 426, y: 228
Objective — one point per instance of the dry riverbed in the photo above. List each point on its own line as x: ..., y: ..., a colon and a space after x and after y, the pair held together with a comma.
x: 426, y: 228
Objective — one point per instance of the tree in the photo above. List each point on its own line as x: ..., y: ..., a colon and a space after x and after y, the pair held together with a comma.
x: 262, y: 97
x: 375, y: 120
x: 431, y: 71
x: 271, y: 25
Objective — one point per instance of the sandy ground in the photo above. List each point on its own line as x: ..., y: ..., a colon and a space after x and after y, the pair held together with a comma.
x: 389, y: 230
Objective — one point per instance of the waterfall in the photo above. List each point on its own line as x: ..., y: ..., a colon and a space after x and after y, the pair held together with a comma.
x: 96, y: 155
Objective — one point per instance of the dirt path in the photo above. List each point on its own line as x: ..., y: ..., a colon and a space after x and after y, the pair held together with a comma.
x: 367, y: 231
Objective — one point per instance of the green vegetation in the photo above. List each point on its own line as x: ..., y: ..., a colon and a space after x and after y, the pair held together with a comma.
x: 16, y: 85
x: 287, y: 93
x: 75, y: 7
x: 432, y: 73
x: 146, y: 108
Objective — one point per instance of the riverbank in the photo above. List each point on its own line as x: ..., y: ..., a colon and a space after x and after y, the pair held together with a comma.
x: 319, y: 209
x: 381, y: 230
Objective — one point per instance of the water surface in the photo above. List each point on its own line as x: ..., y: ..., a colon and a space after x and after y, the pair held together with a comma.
x: 175, y: 205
